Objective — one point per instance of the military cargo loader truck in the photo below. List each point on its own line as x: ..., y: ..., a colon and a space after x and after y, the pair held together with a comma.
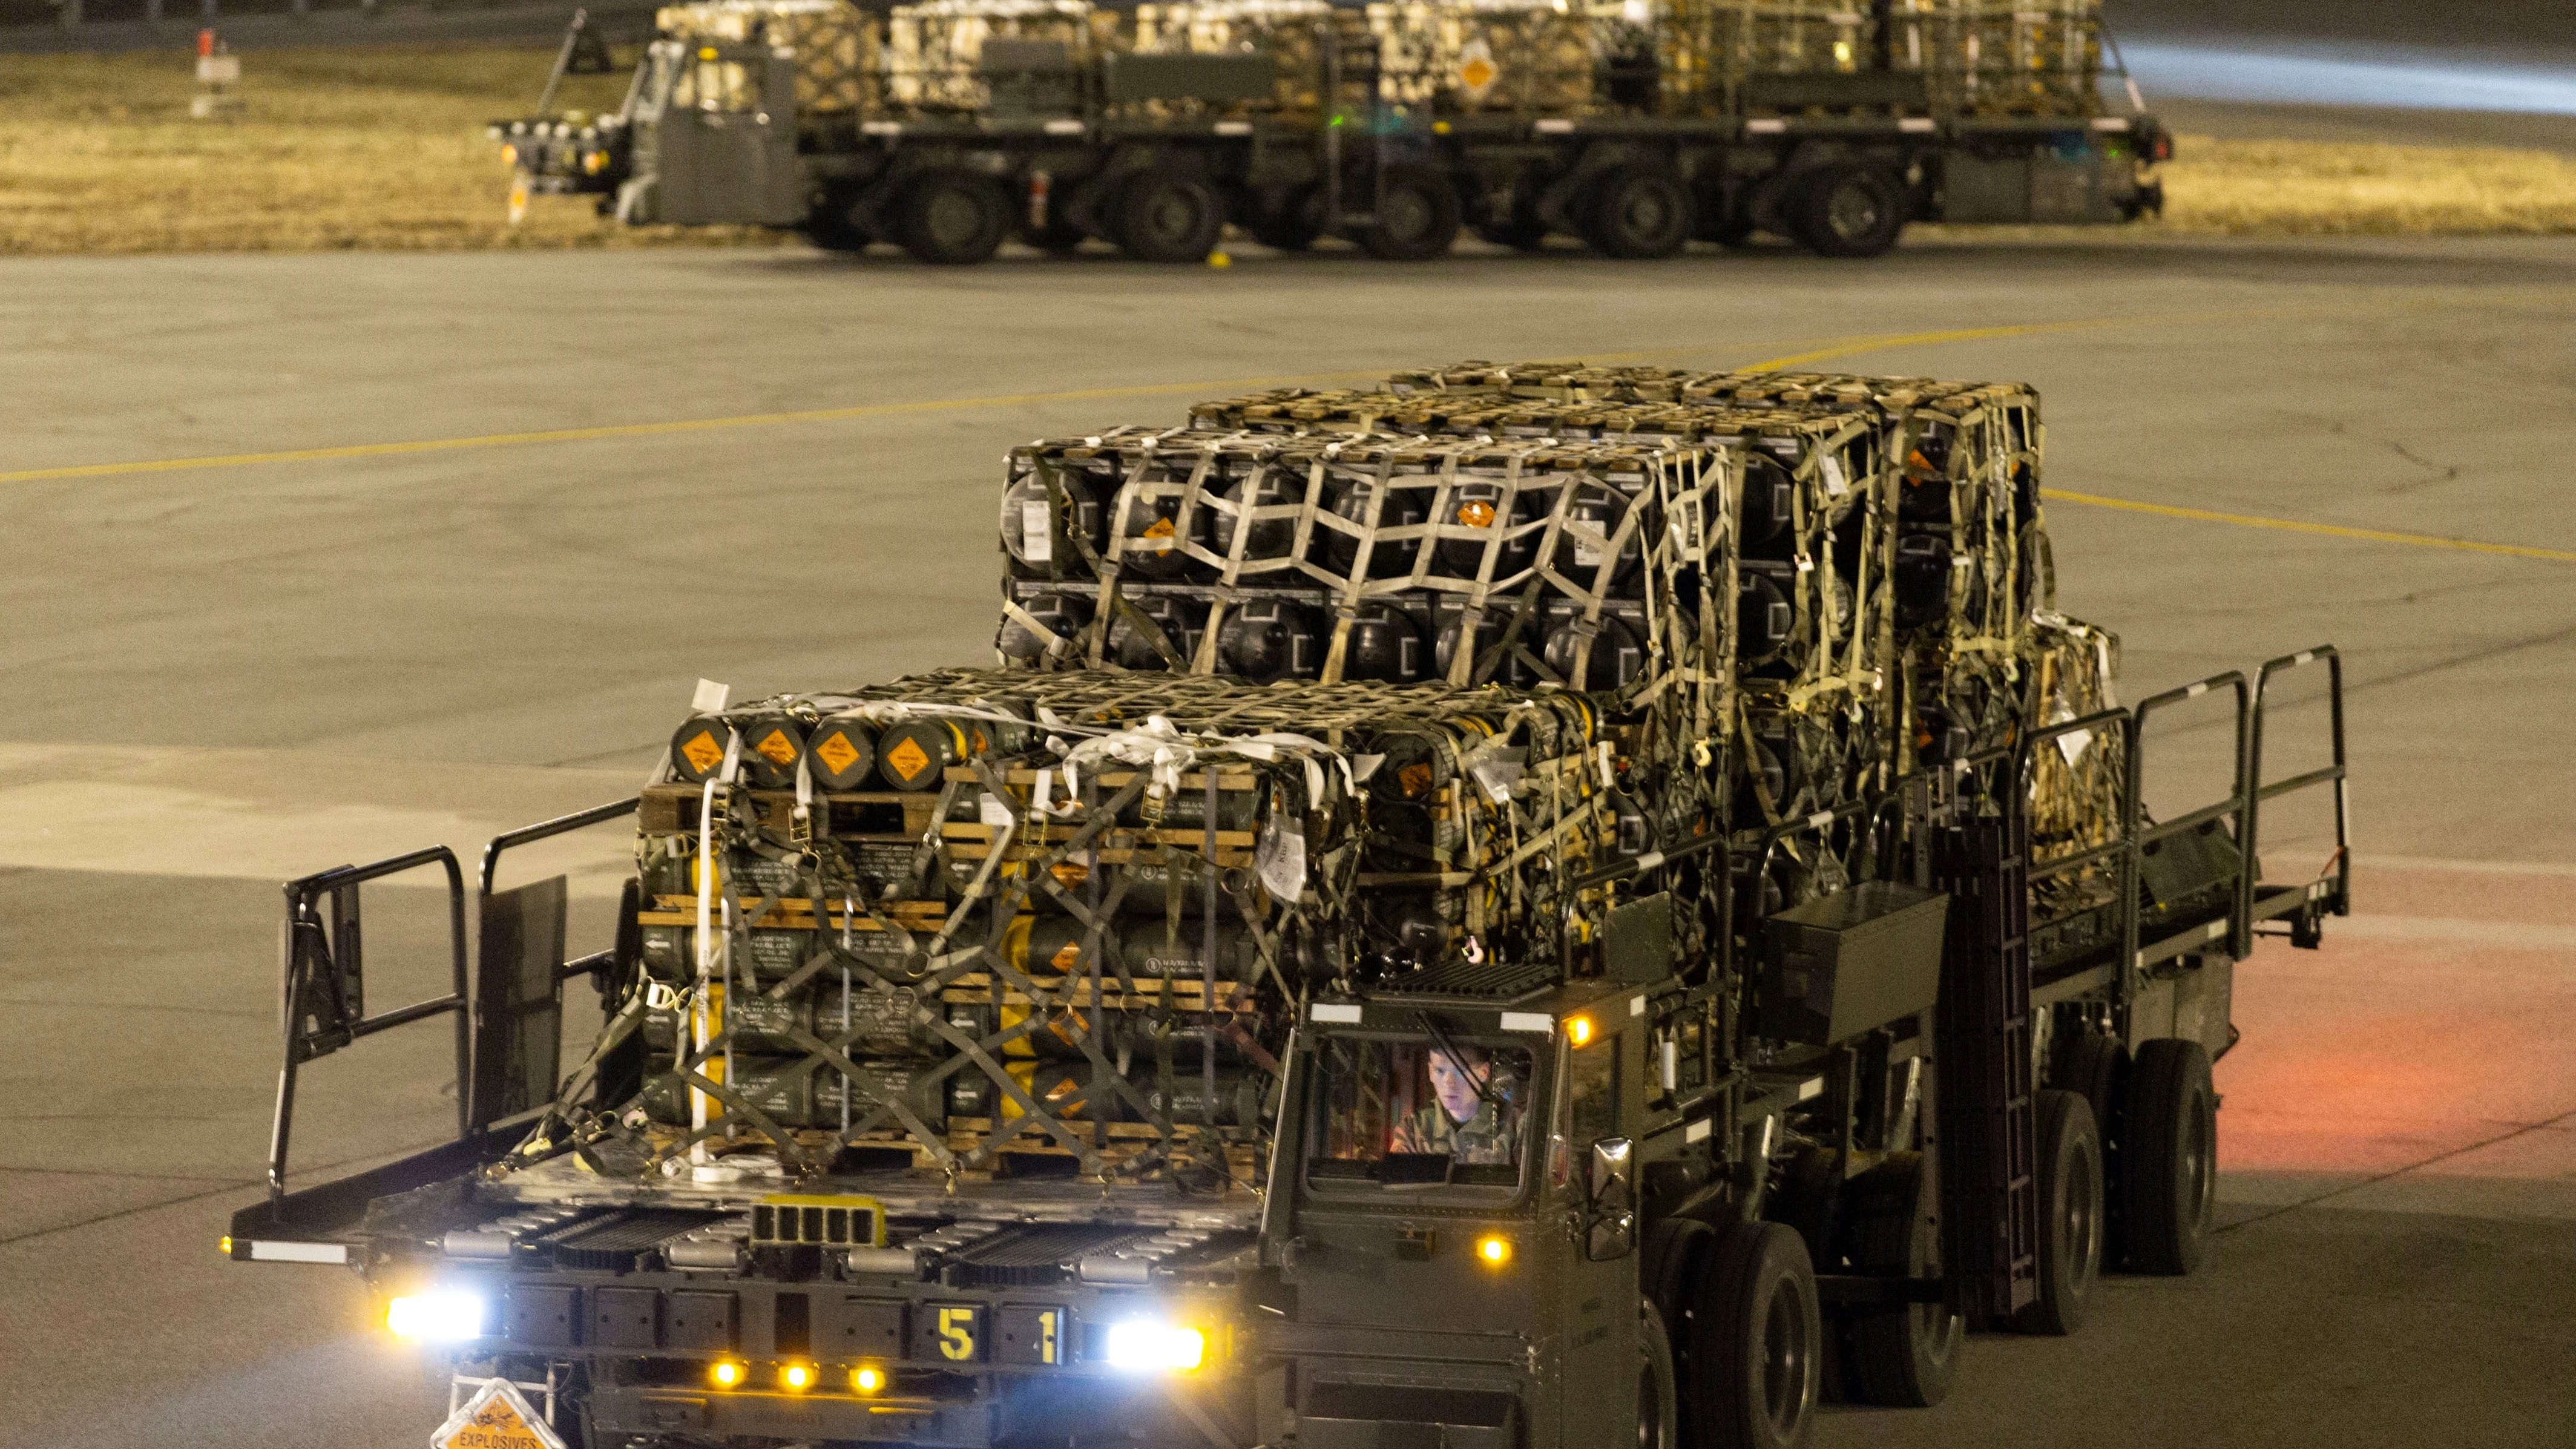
x: 947, y: 128
x: 1529, y: 905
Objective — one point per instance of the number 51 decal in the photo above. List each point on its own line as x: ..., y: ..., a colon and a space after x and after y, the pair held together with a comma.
x: 957, y: 1332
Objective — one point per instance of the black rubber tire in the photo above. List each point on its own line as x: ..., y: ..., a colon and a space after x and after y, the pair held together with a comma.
x: 1167, y: 216
x: 2169, y: 1158
x: 1805, y: 1200
x: 1294, y: 224
x: 1669, y: 1268
x: 953, y: 218
x: 1850, y: 211
x: 1637, y: 213
x: 2072, y: 1216
x: 1757, y: 1342
x: 1901, y: 1357
x: 1417, y: 216
x: 2093, y: 1065
x: 1658, y: 1386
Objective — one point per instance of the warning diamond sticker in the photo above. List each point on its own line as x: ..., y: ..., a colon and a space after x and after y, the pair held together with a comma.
x: 837, y: 753
x: 777, y: 748
x: 497, y: 1417
x: 1476, y: 70
x: 908, y: 758
x: 703, y: 752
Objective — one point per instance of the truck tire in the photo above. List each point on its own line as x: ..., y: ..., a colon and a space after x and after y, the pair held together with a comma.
x: 2071, y: 1216
x: 1658, y: 1398
x: 1417, y: 216
x: 1757, y: 1344
x: 1849, y: 211
x: 1165, y: 216
x: 1637, y: 213
x: 953, y: 218
x: 1903, y: 1357
x: 2168, y: 1158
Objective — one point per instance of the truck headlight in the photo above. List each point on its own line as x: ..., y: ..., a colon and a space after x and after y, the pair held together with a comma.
x: 436, y: 1317
x: 1144, y: 1344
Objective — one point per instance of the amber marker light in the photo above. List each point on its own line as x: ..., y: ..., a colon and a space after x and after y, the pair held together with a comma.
x: 726, y: 1374
x: 796, y: 1377
x: 1578, y: 1030
x: 1494, y: 1250
x: 867, y: 1378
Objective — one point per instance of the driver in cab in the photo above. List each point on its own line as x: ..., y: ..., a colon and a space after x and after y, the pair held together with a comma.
x: 1474, y: 1115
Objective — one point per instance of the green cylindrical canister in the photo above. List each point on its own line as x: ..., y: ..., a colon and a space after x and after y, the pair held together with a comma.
x: 771, y: 746
x: 698, y: 748
x: 795, y: 1093
x: 916, y: 754
x: 841, y: 754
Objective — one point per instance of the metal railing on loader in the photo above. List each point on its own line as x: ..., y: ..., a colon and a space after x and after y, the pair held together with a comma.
x: 504, y: 996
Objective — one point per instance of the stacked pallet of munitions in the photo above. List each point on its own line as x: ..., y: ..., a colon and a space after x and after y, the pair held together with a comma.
x: 834, y: 45
x: 936, y: 52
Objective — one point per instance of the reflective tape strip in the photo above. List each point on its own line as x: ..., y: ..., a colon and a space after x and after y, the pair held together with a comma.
x: 2213, y: 930
x: 1320, y: 1011
x: 273, y: 1252
x: 1649, y: 861
x: 881, y: 128
x: 2304, y: 656
x: 1821, y: 819
x: 1697, y: 1131
x: 1811, y: 1088
x: 2197, y: 690
x: 1636, y: 1006
x: 1765, y: 127
x: 1234, y: 128
x: 1916, y: 124
x: 1064, y: 128
x: 1553, y: 127
x: 1538, y: 1021
x: 2110, y: 123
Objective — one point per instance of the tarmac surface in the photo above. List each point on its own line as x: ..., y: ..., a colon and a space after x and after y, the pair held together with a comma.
x: 318, y: 559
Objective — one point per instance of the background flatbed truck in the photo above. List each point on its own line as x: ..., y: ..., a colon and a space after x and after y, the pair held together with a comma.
x: 711, y: 134
x: 1987, y: 1108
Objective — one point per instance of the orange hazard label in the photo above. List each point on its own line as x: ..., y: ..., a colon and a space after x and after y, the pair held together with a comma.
x: 1476, y: 513
x: 1160, y: 528
x: 777, y: 748
x: 1414, y: 780
x: 703, y: 752
x: 1068, y: 955
x: 908, y: 758
x: 498, y: 1417
x: 837, y: 753
x: 1477, y: 74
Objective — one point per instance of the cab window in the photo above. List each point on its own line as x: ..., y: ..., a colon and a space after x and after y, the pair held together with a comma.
x: 1419, y: 1112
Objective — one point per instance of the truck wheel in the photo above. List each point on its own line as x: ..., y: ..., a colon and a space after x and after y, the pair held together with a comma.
x: 1850, y: 211
x: 1164, y: 216
x: 1417, y: 216
x: 1906, y: 1356
x: 1637, y: 213
x: 2070, y: 1214
x: 1757, y: 1346
x: 953, y: 218
x: 1658, y: 1405
x: 2168, y: 1158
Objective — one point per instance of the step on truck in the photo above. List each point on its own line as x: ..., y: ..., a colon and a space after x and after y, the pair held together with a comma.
x: 1635, y: 127
x: 1526, y: 905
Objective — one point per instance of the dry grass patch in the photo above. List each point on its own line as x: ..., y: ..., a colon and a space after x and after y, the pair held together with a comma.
x: 2272, y: 187
x: 384, y: 148
x: 373, y: 148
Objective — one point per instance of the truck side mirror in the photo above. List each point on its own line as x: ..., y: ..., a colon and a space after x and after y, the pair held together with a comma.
x: 1610, y: 1191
